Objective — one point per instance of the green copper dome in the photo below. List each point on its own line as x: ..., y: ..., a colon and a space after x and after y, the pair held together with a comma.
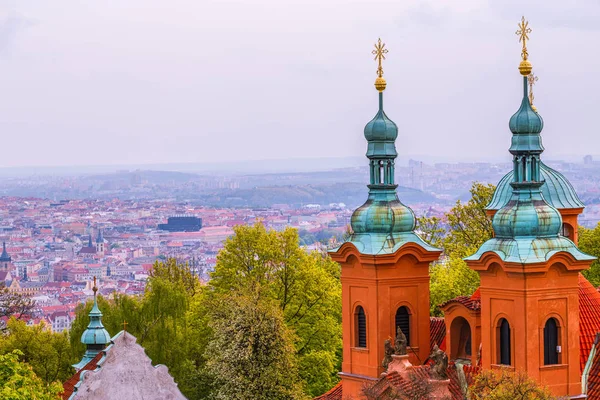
x: 383, y: 224
x: 557, y: 190
x: 383, y: 213
x: 527, y: 214
x: 525, y: 120
x: 95, y: 337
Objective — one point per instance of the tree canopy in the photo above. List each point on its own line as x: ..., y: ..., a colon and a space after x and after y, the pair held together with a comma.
x: 589, y: 242
x: 467, y: 228
x: 18, y: 381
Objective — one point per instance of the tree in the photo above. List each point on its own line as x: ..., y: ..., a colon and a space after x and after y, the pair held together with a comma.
x: 506, y: 385
x: 589, y: 242
x: 251, y: 355
x: 468, y: 227
x: 48, y: 353
x: 306, y: 288
x: 19, y: 382
x: 13, y: 304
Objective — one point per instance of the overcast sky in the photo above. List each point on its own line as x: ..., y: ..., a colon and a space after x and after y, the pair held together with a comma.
x: 148, y: 81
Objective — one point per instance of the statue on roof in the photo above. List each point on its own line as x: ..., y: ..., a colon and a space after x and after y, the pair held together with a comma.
x: 387, y: 354
x: 401, y: 343
x: 439, y: 369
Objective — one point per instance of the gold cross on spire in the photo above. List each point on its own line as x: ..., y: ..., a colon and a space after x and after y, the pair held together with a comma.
x: 95, y: 288
x: 523, y: 33
x: 379, y: 52
x: 531, y: 79
x: 125, y: 323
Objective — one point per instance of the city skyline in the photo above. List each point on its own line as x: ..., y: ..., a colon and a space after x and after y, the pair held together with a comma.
x: 290, y: 80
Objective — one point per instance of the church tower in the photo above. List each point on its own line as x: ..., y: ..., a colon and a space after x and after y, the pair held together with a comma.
x: 99, y: 243
x: 5, y: 259
x: 385, y: 265
x: 95, y: 337
x: 529, y: 271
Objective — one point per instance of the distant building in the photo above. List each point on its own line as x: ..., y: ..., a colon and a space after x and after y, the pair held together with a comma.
x: 182, y: 223
x: 588, y: 160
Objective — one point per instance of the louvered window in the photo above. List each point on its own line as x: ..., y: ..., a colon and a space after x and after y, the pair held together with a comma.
x: 403, y: 321
x: 361, y: 327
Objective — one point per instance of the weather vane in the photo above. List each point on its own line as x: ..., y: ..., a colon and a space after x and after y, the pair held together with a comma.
x: 531, y: 79
x: 523, y: 33
x: 380, y: 52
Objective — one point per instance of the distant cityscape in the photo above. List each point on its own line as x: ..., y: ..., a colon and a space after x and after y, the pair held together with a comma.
x: 60, y: 232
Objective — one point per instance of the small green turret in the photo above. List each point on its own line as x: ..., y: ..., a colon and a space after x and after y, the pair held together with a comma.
x: 95, y: 337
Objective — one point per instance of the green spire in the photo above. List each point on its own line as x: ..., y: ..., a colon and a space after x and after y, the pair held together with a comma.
x: 383, y: 224
x: 527, y: 228
x: 95, y: 337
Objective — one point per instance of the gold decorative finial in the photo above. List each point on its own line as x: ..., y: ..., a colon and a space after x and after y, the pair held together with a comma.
x: 380, y: 52
x: 95, y: 289
x: 523, y: 33
x: 532, y: 79
x: 125, y: 323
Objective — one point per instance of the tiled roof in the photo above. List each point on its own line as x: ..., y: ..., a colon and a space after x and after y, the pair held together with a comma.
x: 437, y: 328
x: 589, y: 318
x: 593, y: 383
x: 471, y: 302
x: 69, y: 385
x: 333, y: 394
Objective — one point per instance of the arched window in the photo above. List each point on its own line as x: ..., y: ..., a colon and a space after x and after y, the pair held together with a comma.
x: 566, y: 231
x: 403, y: 322
x: 361, y: 327
x: 551, y: 342
x: 504, y: 342
x: 534, y: 176
x: 524, y: 168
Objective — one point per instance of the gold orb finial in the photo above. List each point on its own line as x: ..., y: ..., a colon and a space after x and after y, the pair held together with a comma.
x: 523, y: 32
x: 380, y: 52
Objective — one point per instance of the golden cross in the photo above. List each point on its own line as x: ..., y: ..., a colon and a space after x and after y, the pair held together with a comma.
x: 523, y: 33
x: 125, y: 323
x: 95, y: 289
x: 531, y: 79
x: 379, y: 52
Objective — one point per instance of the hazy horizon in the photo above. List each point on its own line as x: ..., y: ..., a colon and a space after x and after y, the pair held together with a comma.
x: 136, y: 82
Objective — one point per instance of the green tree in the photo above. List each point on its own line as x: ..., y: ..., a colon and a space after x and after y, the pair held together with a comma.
x: 164, y: 321
x: 19, y: 382
x: 589, y: 242
x: 251, y: 355
x: 13, y: 304
x: 506, y: 385
x: 468, y: 227
x: 49, y: 354
x: 305, y: 286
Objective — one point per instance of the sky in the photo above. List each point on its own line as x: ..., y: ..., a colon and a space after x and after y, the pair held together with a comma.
x: 87, y: 82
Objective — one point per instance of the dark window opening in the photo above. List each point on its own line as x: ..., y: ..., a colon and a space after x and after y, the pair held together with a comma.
x: 504, y: 342
x: 551, y: 342
x: 403, y: 322
x: 361, y: 325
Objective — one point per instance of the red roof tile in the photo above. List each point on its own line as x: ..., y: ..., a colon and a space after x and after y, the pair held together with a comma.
x: 69, y: 385
x: 437, y: 328
x: 471, y: 302
x: 333, y: 394
x: 589, y: 318
x: 593, y: 383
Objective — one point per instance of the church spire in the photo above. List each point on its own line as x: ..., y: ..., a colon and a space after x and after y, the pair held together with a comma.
x: 383, y: 223
x: 526, y: 218
x: 95, y: 337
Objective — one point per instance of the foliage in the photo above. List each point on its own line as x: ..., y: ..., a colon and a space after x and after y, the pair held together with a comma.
x: 468, y: 227
x: 306, y: 288
x: 14, y: 304
x: 48, y: 353
x: 589, y: 242
x: 163, y: 320
x: 506, y: 385
x: 19, y: 382
x: 251, y: 355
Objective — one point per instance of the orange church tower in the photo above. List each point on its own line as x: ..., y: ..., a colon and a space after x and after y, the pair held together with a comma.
x: 385, y: 265
x: 529, y: 271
